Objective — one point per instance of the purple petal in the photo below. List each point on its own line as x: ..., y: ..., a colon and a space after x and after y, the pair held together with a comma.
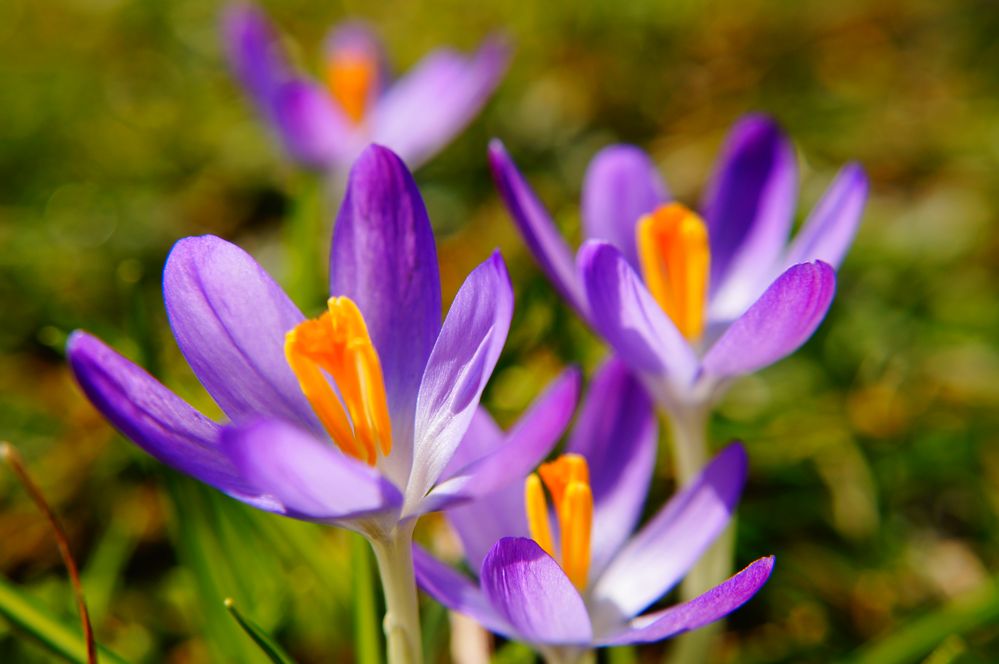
x: 456, y: 592
x: 527, y: 444
x: 481, y: 523
x: 254, y: 52
x: 698, y: 612
x: 778, y: 323
x: 383, y: 258
x: 669, y: 545
x: 425, y: 109
x: 750, y: 203
x: 616, y: 433
x: 311, y: 127
x: 459, y: 366
x: 628, y: 317
x: 529, y: 589
x: 542, y: 237
x: 621, y: 185
x: 310, y: 479
x: 230, y: 320
x: 156, y: 419
x: 829, y: 229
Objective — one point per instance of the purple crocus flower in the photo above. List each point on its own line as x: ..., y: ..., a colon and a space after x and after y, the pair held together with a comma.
x: 378, y: 374
x: 325, y: 124
x: 587, y: 591
x: 691, y: 304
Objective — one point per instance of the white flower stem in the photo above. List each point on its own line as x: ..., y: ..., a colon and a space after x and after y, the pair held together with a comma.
x: 567, y: 655
x: 394, y: 555
x: 689, y: 429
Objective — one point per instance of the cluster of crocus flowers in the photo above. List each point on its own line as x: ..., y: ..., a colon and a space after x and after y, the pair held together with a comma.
x: 690, y: 302
x: 325, y: 122
x: 583, y: 588
x: 354, y: 418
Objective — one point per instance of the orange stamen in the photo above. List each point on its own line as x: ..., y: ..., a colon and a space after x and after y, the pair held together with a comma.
x: 337, y: 344
x: 675, y: 258
x: 568, y: 482
x: 351, y: 78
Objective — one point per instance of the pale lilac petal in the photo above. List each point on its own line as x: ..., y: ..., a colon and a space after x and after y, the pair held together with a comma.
x: 482, y: 438
x: 628, y: 317
x: 153, y: 417
x: 421, y: 112
x: 481, y: 523
x: 528, y: 588
x: 524, y: 447
x: 456, y: 592
x: 383, y: 258
x: 542, y: 237
x: 713, y: 605
x: 230, y: 320
x: 254, y: 52
x: 462, y: 360
x: 616, y: 433
x: 827, y: 233
x: 621, y: 185
x: 312, y: 480
x: 670, y: 544
x: 778, y: 323
x: 750, y: 204
x: 313, y: 130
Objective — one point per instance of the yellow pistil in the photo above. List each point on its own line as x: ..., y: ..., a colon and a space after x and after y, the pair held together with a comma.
x: 675, y: 258
x: 351, y: 77
x: 568, y: 482
x: 337, y: 344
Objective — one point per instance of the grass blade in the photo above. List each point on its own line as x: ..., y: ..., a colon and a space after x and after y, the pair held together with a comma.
x: 24, y: 613
x: 263, y: 640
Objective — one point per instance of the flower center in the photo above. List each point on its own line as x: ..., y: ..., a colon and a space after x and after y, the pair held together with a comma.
x: 351, y: 77
x: 338, y: 344
x: 675, y: 258
x: 568, y: 482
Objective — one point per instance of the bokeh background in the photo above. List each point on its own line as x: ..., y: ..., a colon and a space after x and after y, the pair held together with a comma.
x: 874, y: 450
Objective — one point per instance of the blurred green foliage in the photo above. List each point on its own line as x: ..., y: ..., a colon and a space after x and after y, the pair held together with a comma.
x: 875, y: 450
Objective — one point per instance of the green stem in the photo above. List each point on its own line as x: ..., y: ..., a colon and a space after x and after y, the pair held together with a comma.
x: 568, y: 655
x: 394, y: 555
x: 689, y: 429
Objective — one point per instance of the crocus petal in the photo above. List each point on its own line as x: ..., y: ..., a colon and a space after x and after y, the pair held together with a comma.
x: 621, y: 185
x: 827, y: 233
x: 616, y: 433
x: 425, y: 109
x: 312, y: 128
x: 310, y: 479
x: 527, y: 444
x: 749, y: 204
x: 778, y: 323
x: 230, y: 320
x: 254, y: 52
x: 456, y: 592
x: 481, y: 523
x: 459, y: 366
x: 542, y: 237
x: 528, y: 588
x: 383, y: 257
x: 628, y: 317
x: 716, y: 603
x: 152, y: 416
x: 669, y: 545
